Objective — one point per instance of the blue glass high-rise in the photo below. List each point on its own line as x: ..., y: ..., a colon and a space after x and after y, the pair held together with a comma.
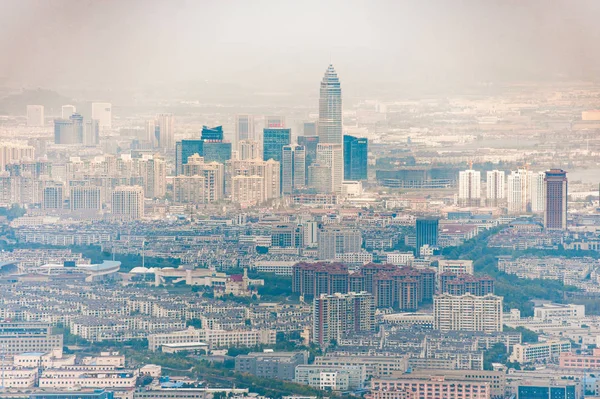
x: 274, y: 139
x: 183, y: 150
x: 212, y: 133
x: 427, y: 233
x: 356, y: 152
x: 217, y: 151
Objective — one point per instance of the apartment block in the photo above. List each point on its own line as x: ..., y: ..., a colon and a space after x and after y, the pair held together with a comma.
x: 467, y: 312
x: 21, y: 337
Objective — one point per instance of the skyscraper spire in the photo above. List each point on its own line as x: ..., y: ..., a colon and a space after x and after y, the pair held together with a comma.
x: 330, y: 108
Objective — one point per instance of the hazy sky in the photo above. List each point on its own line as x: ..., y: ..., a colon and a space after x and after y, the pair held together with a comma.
x: 282, y: 44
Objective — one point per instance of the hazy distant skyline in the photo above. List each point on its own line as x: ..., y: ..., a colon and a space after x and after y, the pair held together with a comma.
x: 288, y: 44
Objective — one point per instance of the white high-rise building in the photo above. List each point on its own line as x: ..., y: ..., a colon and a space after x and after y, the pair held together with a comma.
x: 268, y: 170
x: 213, y: 173
x: 15, y: 152
x: 311, y: 233
x: 287, y: 169
x: 495, y: 189
x: 332, y: 156
x: 537, y: 192
x: 85, y: 198
x: 469, y: 187
x: 154, y: 171
x: 517, y: 191
x: 330, y: 128
x: 293, y: 168
x: 244, y: 128
x: 67, y: 111
x: 319, y: 178
x: 299, y: 166
x: 103, y: 113
x: 467, y: 313
x: 166, y: 131
x: 330, y: 109
x: 338, y: 315
x: 188, y: 189
x: 150, y: 133
x: 128, y: 202
x: 338, y: 240
x: 248, y: 190
x: 249, y: 149
x: 35, y: 115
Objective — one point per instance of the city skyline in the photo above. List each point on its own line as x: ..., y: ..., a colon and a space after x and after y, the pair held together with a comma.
x: 299, y: 200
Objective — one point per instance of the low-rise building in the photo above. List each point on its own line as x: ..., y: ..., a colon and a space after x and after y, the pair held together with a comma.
x: 79, y: 394
x: 21, y: 337
x: 70, y: 377
x: 375, y: 366
x: 584, y: 362
x: 214, y: 338
x: 280, y: 365
x: 549, y: 389
x: 496, y: 379
x: 19, y: 378
x: 540, y: 351
x: 336, y: 378
x: 428, y: 387
x: 549, y: 311
x: 459, y: 266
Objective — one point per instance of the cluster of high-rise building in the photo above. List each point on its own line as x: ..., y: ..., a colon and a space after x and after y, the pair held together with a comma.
x: 521, y: 192
x: 284, y: 195
x: 253, y: 170
x: 403, y: 288
x: 317, y: 163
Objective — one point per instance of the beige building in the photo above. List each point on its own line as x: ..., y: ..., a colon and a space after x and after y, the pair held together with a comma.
x: 540, y: 351
x: 21, y: 337
x: 102, y: 112
x: 428, y: 387
x: 189, y: 189
x: 455, y: 266
x: 496, y: 379
x: 14, y: 152
x: 268, y: 170
x: 338, y: 240
x: 249, y: 149
x: 87, y: 376
x: 248, y: 190
x: 35, y: 115
x: 128, y: 202
x: 19, y: 378
x: 467, y: 312
x: 166, y: 129
x: 214, y: 338
x: 375, y: 366
x: 153, y: 170
x: 85, y: 198
x: 331, y: 155
x: 213, y: 173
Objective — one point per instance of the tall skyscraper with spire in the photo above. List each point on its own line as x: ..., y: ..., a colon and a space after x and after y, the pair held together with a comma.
x: 330, y: 109
x: 330, y: 147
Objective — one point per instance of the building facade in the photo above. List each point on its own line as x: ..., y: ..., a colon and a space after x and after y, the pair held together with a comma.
x: 356, y: 154
x: 467, y: 312
x: 555, y: 215
x: 337, y: 315
x: 469, y: 187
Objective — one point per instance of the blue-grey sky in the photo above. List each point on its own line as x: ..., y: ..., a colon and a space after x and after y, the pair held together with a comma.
x: 286, y: 43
